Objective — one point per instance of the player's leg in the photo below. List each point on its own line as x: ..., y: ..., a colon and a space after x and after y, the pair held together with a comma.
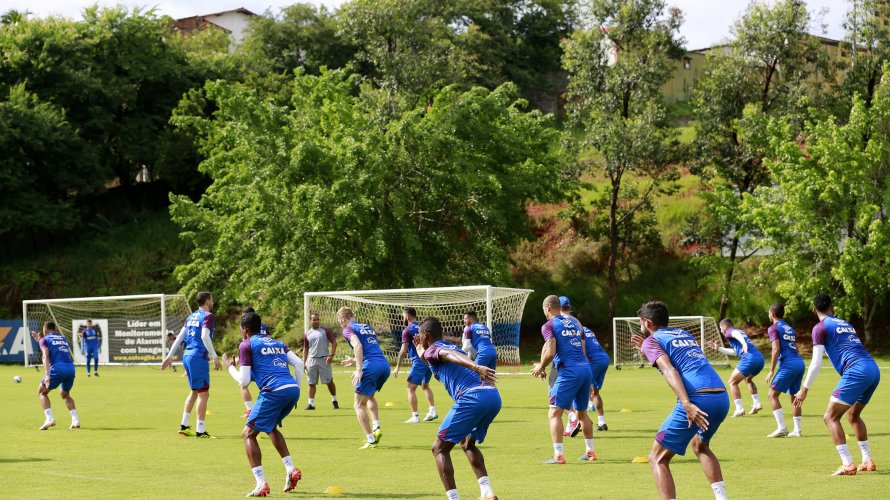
x: 659, y: 462
x: 95, y: 362
x: 442, y: 452
x: 710, y: 465
x: 255, y: 459
x: 360, y: 404
x: 188, y: 406
x: 412, y: 402
x: 65, y: 392
x: 313, y: 372
x: 477, y: 463
x: 311, y: 404
x: 752, y: 387
x: 580, y: 401
x: 373, y: 413
x: 554, y: 415
x: 854, y: 416
x: 89, y: 355
x: 832, y: 419
x: 734, y: 379
x: 203, y: 397
x: 596, y: 400
x: 327, y: 377
x: 430, y: 399
x: 43, y: 395
x: 332, y: 388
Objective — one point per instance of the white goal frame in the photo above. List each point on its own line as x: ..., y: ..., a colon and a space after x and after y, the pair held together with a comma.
x: 715, y: 358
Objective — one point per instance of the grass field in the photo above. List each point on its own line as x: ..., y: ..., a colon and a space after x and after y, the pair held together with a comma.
x: 128, y: 446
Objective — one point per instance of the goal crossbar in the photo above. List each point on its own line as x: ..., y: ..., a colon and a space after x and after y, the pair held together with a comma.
x: 705, y: 325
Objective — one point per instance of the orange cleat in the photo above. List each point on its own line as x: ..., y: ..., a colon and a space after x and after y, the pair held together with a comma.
x: 558, y: 459
x: 291, y: 481
x: 589, y: 456
x: 260, y: 491
x: 845, y: 470
x: 867, y: 466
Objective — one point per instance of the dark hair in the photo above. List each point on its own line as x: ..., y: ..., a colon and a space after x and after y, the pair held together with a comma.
x: 471, y: 313
x: 822, y: 302
x: 202, y: 297
x: 314, y: 314
x: 777, y: 310
x: 251, y: 321
x: 49, y: 325
x: 655, y: 311
x: 433, y: 326
x: 89, y: 321
x: 726, y: 322
x: 249, y: 309
x: 410, y: 311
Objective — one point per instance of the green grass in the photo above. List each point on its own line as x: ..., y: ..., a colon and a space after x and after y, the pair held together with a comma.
x: 128, y: 446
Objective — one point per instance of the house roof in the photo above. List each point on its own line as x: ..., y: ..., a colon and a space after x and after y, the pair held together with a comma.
x: 241, y: 10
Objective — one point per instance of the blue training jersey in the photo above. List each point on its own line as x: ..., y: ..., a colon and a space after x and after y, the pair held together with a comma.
x: 738, y: 347
x: 783, y: 332
x: 196, y: 322
x: 594, y: 350
x: 841, y: 343
x: 408, y: 336
x: 59, y: 349
x: 267, y: 359
x: 567, y: 331
x: 90, y: 338
x: 686, y: 356
x: 367, y: 337
x: 457, y: 379
x: 480, y: 337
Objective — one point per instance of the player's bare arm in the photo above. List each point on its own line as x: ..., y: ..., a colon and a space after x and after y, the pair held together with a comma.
x: 485, y: 373
x: 359, y: 357
x: 547, y: 353
x: 773, y: 360
x: 402, y: 353
x: 693, y: 413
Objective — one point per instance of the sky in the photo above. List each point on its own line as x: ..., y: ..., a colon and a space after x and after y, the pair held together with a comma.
x: 706, y: 23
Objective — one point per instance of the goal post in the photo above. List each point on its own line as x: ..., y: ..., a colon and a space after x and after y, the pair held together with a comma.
x: 129, y: 326
x: 703, y: 328
x: 499, y: 308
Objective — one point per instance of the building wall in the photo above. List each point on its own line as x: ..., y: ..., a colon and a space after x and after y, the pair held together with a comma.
x: 686, y: 71
x: 236, y: 22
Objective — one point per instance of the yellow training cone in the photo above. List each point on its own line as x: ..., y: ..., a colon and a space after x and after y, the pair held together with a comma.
x: 389, y: 403
x: 640, y: 460
x: 626, y: 410
x: 333, y: 490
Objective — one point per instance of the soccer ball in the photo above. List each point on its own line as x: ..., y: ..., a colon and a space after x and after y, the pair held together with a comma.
x: 17, y: 379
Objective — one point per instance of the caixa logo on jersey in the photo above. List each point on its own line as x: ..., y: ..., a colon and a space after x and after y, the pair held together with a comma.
x: 853, y: 338
x: 280, y: 363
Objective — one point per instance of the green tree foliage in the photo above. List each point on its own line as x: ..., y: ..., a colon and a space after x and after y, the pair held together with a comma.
x: 620, y: 129
x: 825, y: 216
x: 328, y: 193
x: 773, y: 64
x: 868, y: 46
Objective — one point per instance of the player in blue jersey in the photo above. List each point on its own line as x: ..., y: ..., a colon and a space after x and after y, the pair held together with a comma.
x: 563, y: 343
x: 701, y: 406
x: 599, y: 364
x: 90, y: 345
x: 245, y: 391
x: 58, y: 370
x: 197, y: 333
x: 750, y: 364
x: 860, y: 377
x: 477, y: 341
x: 476, y: 404
x: 420, y: 373
x: 371, y: 372
x: 788, y: 376
x: 265, y: 361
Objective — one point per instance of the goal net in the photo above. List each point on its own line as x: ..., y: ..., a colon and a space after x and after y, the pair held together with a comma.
x: 129, y: 326
x: 499, y: 308
x: 703, y: 328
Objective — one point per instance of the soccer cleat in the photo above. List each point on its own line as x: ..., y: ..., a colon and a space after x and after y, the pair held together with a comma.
x: 368, y: 446
x: 413, y: 420
x: 96, y: 374
x: 75, y: 425
x: 572, y: 428
x: 867, y: 466
x: 245, y: 414
x: 186, y: 432
x: 336, y: 405
x: 589, y: 456
x: 603, y: 427
x: 845, y: 470
x: 88, y: 374
x: 576, y: 430
x: 377, y: 434
x: 290, y: 482
x: 795, y: 433
x: 260, y: 491
x: 558, y: 459
x: 47, y: 424
x: 739, y: 412
x: 755, y: 409
x: 309, y: 407
x: 778, y: 433
x: 204, y: 435
x: 430, y: 417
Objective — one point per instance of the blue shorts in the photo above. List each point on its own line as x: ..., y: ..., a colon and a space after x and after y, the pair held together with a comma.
x: 197, y: 369
x: 60, y: 375
x: 471, y: 415
x: 598, y: 368
x: 374, y: 374
x: 788, y: 376
x: 488, y: 357
x: 675, y: 433
x: 420, y: 374
x: 858, y: 383
x: 271, y: 407
x: 750, y: 365
x: 572, y: 386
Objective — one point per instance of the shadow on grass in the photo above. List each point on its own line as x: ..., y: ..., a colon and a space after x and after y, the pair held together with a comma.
x: 23, y: 460
x: 384, y: 495
x: 88, y: 429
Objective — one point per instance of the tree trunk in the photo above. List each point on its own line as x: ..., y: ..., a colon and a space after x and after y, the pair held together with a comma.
x: 613, y: 247
x: 871, y: 307
x: 727, y: 280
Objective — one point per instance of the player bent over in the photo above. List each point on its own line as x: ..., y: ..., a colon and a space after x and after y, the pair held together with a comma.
x: 265, y: 361
x: 58, y: 369
x: 750, y: 364
x: 860, y: 377
x: 563, y: 342
x: 701, y: 406
x: 476, y: 404
x: 371, y: 372
x: 477, y: 341
x: 790, y: 373
x: 420, y: 373
x: 198, y: 336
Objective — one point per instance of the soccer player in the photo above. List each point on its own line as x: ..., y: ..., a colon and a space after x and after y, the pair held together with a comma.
x: 245, y: 390
x: 371, y: 372
x: 790, y: 373
x: 599, y: 364
x: 701, y: 406
x: 750, y: 364
x: 420, y: 373
x: 563, y: 342
x: 318, y: 359
x: 476, y: 404
x: 198, y: 336
x: 477, y: 341
x: 859, y: 379
x: 58, y: 370
x: 89, y: 344
x: 265, y: 361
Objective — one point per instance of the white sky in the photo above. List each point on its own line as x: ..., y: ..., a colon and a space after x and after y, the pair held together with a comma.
x: 707, y: 21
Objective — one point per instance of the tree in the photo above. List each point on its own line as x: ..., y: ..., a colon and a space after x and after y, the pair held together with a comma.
x: 619, y: 128
x: 328, y: 192
x: 826, y: 214
x: 868, y: 48
x: 774, y: 64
